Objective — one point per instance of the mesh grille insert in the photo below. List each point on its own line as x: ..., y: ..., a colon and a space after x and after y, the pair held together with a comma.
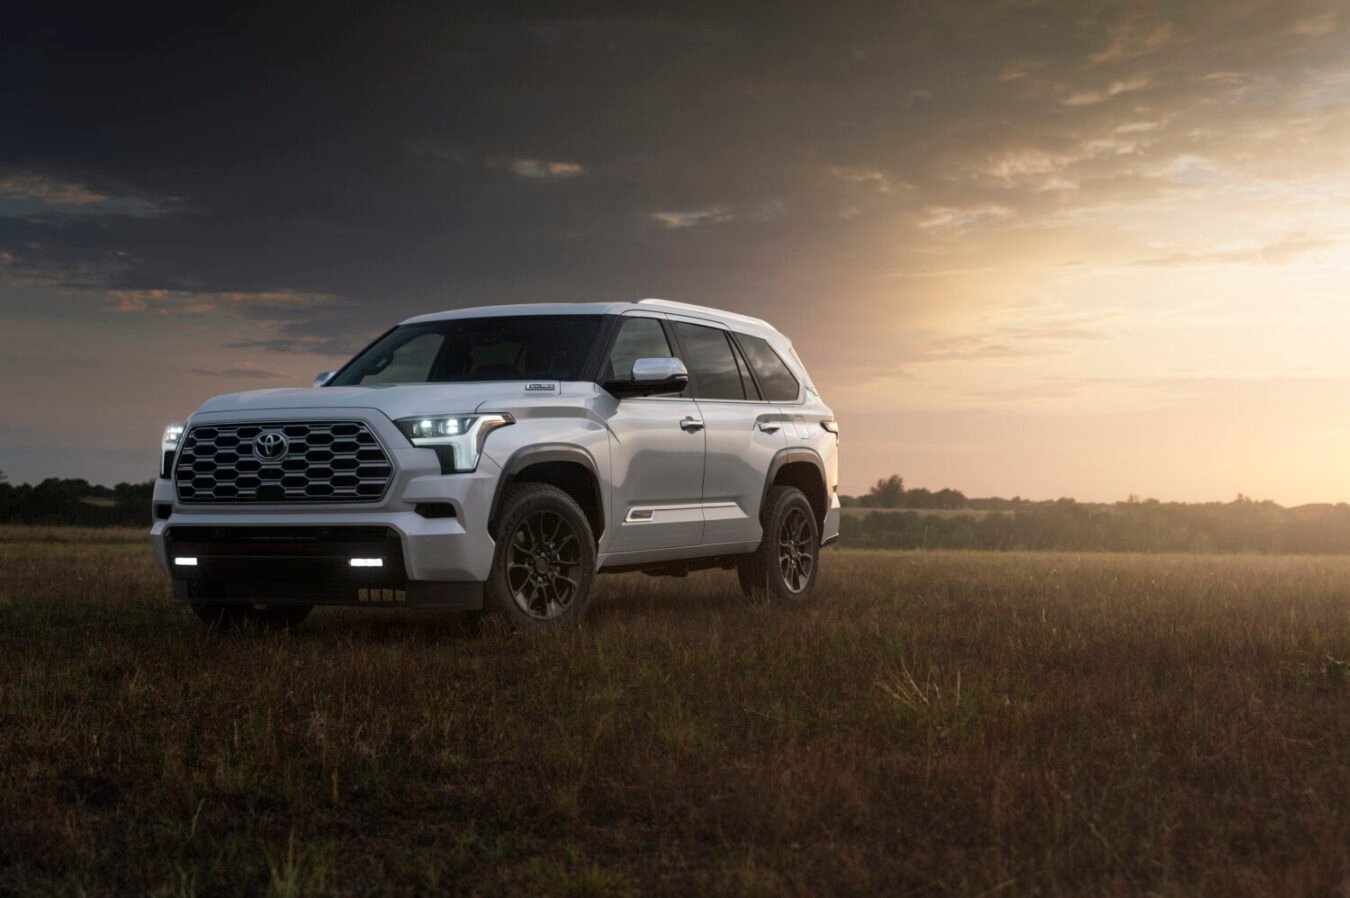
x: 313, y: 461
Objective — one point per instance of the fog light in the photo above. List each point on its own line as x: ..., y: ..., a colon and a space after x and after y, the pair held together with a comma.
x: 366, y: 562
x: 185, y: 561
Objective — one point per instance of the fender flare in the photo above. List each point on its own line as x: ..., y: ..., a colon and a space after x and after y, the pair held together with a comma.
x: 525, y: 456
x: 791, y: 455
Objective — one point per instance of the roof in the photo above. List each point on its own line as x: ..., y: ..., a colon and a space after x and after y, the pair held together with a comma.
x: 598, y: 308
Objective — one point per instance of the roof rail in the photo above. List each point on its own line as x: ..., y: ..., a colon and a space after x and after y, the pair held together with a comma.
x: 705, y: 310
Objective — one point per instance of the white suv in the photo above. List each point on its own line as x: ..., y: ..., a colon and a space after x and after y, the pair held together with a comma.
x: 496, y: 459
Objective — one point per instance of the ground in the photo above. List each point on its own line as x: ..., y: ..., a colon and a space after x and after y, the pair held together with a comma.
x: 934, y: 723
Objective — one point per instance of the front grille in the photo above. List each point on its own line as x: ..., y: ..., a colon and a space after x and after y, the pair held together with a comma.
x: 314, y: 461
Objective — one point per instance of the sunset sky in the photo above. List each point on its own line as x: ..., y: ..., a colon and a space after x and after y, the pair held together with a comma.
x: 1047, y: 249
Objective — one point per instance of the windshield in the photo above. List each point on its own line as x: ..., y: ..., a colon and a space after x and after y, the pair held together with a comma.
x: 513, y: 347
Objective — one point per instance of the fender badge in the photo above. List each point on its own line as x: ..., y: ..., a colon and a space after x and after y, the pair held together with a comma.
x: 540, y: 388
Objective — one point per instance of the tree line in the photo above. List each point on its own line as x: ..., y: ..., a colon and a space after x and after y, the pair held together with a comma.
x: 905, y: 520
x: 75, y: 502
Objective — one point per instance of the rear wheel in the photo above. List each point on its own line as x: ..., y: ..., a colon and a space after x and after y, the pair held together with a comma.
x: 223, y: 616
x: 544, y: 566
x: 785, y: 564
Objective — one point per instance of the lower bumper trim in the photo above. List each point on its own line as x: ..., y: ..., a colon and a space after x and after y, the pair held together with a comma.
x: 422, y: 595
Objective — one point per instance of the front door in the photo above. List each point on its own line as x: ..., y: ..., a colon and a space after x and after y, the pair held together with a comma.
x: 656, y: 453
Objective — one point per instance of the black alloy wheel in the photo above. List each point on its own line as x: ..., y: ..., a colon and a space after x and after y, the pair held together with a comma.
x: 796, y: 550
x: 787, y: 561
x: 543, y: 564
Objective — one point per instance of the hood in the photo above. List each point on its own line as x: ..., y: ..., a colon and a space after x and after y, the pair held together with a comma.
x: 396, y: 402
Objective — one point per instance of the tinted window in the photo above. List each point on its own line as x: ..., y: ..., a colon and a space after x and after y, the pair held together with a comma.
x: 775, y: 379
x: 409, y: 363
x: 748, y: 382
x: 639, y: 338
x: 712, y: 366
x: 517, y: 347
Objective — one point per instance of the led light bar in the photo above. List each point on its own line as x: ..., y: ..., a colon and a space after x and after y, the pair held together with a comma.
x: 366, y: 562
x: 185, y: 560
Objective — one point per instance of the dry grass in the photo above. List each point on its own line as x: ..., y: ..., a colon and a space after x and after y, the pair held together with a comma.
x: 939, y: 723
x: 23, y: 533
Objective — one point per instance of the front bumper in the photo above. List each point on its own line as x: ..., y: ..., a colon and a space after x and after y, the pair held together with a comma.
x: 304, y: 565
x: 430, y: 532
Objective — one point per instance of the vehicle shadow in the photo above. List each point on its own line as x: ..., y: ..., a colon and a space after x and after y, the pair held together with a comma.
x: 618, y: 599
x: 388, y: 626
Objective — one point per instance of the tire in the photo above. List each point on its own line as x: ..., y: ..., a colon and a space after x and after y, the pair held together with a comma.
x: 222, y: 616
x: 785, y: 565
x: 544, y: 567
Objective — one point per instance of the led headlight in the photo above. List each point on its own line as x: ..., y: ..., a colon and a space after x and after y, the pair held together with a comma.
x: 168, y: 445
x: 457, y: 439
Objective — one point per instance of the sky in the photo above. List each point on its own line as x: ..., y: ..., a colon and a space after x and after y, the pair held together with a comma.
x: 1025, y: 248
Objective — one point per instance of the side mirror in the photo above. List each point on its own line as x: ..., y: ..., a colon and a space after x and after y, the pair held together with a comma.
x: 652, y: 376
x: 323, y: 378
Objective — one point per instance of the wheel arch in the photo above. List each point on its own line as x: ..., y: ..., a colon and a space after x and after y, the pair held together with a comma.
x: 804, y: 469
x: 569, y: 468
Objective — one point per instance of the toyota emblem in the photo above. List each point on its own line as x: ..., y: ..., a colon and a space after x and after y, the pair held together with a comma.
x: 270, y: 445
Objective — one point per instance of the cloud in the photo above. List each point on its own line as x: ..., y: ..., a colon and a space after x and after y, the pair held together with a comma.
x: 1040, y: 389
x: 29, y: 193
x: 953, y: 219
x: 241, y: 373
x: 333, y: 347
x: 1315, y: 26
x: 693, y: 218
x: 1020, y: 68
x: 61, y: 267
x: 94, y: 275
x: 1132, y: 40
x: 1034, y: 333
x: 1114, y: 89
x: 1279, y: 252
x: 869, y: 179
x: 52, y: 191
x: 544, y: 169
x: 259, y: 303
x: 772, y: 210
x: 966, y: 349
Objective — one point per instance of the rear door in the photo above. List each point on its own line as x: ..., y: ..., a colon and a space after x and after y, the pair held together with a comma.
x: 743, y: 433
x: 656, y: 451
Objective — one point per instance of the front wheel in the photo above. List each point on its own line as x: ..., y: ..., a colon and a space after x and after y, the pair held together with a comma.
x: 786, y: 562
x: 544, y: 566
x: 223, y: 616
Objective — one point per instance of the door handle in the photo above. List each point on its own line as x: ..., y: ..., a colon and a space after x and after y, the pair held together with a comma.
x: 691, y: 424
x: 768, y: 427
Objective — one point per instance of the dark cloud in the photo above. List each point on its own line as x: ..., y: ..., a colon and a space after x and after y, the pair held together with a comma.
x: 281, y: 181
x: 387, y: 155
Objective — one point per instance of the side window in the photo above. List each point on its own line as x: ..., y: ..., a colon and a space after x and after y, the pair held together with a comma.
x: 712, y: 366
x: 775, y: 378
x: 410, y: 363
x: 639, y: 338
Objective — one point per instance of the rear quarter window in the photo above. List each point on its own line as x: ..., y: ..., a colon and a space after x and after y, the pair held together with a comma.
x: 775, y: 378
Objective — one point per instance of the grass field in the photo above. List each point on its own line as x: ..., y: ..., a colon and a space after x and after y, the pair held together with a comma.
x: 937, y: 723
